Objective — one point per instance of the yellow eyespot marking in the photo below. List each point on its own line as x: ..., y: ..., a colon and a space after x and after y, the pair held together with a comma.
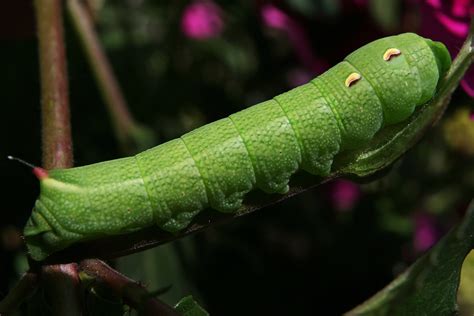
x: 352, y: 79
x: 391, y: 52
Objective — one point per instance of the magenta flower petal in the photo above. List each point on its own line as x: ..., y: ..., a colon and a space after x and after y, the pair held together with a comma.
x: 460, y: 7
x: 448, y: 22
x: 344, y: 195
x: 274, y: 17
x: 468, y: 83
x: 458, y: 28
x: 434, y: 3
x: 202, y: 20
x: 426, y: 233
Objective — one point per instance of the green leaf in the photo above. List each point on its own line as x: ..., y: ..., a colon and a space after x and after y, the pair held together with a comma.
x: 187, y: 306
x: 429, y: 286
x: 466, y: 286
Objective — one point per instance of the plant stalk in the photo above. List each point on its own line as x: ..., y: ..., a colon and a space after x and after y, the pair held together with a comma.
x: 25, y: 287
x: 60, y: 281
x: 122, y: 120
x: 56, y: 133
x: 133, y: 294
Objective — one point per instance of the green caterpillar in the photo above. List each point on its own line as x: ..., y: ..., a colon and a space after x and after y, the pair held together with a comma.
x: 217, y: 164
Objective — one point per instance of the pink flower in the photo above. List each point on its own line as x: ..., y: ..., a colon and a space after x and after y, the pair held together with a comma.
x: 202, y: 20
x: 276, y: 18
x: 344, y: 195
x: 426, y: 233
x: 448, y: 22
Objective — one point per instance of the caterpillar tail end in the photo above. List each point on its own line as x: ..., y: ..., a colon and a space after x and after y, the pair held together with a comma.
x: 442, y: 56
x: 34, y: 232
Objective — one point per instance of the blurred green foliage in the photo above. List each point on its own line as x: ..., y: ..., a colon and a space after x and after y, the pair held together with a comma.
x: 189, y: 307
x: 466, y: 286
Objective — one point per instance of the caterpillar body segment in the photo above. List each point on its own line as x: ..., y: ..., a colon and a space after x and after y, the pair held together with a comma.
x: 320, y: 142
x: 356, y: 108
x: 216, y: 165
x: 271, y: 143
x: 173, y: 183
x: 222, y: 159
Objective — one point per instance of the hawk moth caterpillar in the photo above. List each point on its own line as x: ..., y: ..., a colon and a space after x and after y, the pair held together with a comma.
x: 260, y: 147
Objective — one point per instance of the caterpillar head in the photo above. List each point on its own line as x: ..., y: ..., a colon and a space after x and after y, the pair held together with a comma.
x: 442, y: 57
x: 404, y: 70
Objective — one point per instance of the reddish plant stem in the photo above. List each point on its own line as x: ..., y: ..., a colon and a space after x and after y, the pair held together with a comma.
x: 133, y: 294
x: 60, y: 281
x: 94, y: 7
x: 56, y: 135
x: 109, y: 87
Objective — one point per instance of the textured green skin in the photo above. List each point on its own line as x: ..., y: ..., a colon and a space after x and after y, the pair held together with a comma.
x: 260, y: 147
